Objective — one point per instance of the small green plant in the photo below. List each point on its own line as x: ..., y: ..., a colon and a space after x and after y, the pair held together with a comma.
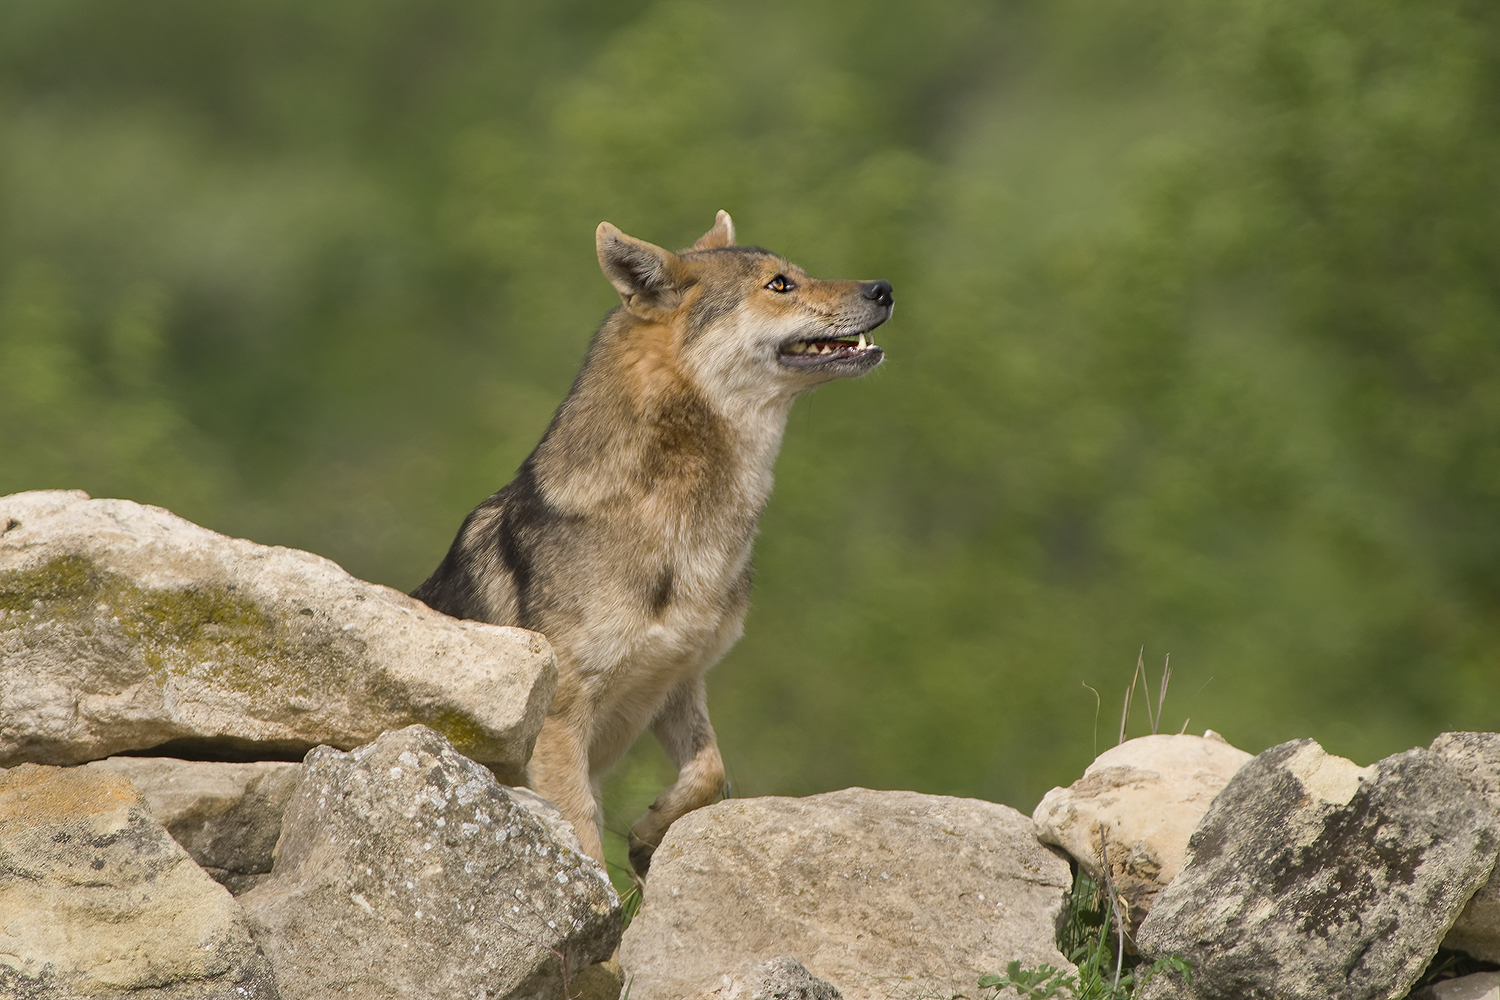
x: 1104, y: 972
x: 1035, y: 984
x: 630, y: 903
x: 1096, y: 912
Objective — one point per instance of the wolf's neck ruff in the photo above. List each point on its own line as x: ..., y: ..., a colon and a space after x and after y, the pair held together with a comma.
x: 639, y: 433
x: 625, y: 538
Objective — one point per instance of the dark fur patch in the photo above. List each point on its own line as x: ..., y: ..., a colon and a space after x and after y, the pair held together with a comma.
x: 453, y: 588
x: 524, y: 505
x: 692, y: 446
x: 738, y: 597
x: 526, y: 522
x: 661, y: 593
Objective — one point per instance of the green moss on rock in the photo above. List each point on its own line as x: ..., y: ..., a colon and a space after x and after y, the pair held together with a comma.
x: 460, y: 730
x: 210, y: 644
x: 177, y: 631
x: 64, y: 579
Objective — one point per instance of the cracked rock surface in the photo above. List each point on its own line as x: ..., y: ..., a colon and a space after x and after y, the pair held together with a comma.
x: 227, y: 816
x: 1311, y: 877
x: 405, y: 870
x: 878, y: 894
x: 1476, y: 758
x: 98, y: 901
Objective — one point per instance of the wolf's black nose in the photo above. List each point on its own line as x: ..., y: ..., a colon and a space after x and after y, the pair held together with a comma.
x: 879, y: 292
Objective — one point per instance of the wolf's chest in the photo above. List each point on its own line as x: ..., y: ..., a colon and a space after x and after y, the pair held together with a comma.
x: 667, y: 609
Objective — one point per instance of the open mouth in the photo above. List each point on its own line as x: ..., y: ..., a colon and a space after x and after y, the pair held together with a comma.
x: 829, y: 350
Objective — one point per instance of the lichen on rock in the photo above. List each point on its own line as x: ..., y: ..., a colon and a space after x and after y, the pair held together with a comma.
x: 125, y: 628
x: 1312, y: 877
x: 405, y: 870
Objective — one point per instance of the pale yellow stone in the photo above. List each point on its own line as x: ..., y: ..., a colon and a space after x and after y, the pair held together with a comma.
x: 1147, y: 796
x: 97, y: 900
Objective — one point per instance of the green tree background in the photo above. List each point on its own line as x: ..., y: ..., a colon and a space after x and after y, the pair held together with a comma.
x: 1198, y: 346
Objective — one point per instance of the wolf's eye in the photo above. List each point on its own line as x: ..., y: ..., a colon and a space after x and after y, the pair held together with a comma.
x: 780, y: 283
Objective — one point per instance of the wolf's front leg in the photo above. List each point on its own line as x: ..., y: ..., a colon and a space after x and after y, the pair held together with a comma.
x: 683, y: 729
x: 559, y: 772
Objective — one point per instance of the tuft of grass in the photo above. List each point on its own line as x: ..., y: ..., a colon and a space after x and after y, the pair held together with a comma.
x: 1096, y: 913
x: 1105, y: 971
x: 1140, y: 677
x: 630, y: 902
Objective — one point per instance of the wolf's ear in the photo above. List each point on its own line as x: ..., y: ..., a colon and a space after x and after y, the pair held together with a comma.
x: 721, y: 235
x: 641, y: 272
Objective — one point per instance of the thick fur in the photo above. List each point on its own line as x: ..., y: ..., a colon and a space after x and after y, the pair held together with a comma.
x: 625, y: 538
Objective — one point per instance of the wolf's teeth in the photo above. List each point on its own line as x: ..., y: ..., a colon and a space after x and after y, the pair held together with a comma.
x: 861, y: 345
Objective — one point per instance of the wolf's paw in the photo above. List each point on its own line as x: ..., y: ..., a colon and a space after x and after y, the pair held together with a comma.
x: 640, y: 855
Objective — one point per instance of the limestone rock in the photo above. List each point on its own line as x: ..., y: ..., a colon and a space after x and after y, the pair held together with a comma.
x: 97, y: 901
x: 1476, y: 758
x: 881, y: 894
x: 1479, y: 986
x: 227, y: 816
x: 1147, y: 795
x: 782, y: 978
x: 1310, y: 877
x: 405, y: 871
x: 552, y: 818
x: 124, y: 627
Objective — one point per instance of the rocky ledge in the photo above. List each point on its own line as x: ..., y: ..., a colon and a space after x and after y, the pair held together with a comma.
x: 236, y: 771
x: 124, y: 628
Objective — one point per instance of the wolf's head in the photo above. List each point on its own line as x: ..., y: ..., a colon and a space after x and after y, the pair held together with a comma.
x: 742, y: 322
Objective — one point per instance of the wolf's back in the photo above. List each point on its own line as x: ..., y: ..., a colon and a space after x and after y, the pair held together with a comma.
x: 490, y: 569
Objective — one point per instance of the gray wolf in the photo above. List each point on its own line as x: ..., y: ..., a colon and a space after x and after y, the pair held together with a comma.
x: 625, y: 537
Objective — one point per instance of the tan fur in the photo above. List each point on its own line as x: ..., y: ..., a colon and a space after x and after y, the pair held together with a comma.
x: 648, y: 487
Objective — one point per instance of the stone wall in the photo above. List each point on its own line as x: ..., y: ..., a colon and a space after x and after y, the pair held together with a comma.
x: 233, y: 770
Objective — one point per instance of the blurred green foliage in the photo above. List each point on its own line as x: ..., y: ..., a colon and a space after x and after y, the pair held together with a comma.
x: 1198, y: 345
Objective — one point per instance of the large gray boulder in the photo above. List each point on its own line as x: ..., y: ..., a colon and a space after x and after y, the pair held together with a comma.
x: 1476, y: 758
x: 1146, y: 796
x: 98, y: 901
x: 404, y: 870
x: 1311, y: 877
x: 227, y: 816
x: 124, y: 627
x: 881, y: 894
